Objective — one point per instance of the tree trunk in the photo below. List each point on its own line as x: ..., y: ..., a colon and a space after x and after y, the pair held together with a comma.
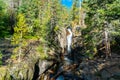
x: 107, y: 44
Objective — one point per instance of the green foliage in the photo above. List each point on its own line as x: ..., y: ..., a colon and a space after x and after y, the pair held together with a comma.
x: 4, y: 23
x: 14, y: 56
x: 19, y: 37
x: 75, y: 11
x: 15, y: 53
x: 99, y: 12
x: 37, y: 16
x: 41, y: 21
x: 1, y: 58
x: 42, y: 53
x: 20, y: 29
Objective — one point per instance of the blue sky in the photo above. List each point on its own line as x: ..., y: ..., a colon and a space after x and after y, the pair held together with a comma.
x: 67, y: 3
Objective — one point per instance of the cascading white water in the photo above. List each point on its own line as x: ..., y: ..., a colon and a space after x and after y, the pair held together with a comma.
x: 69, y: 40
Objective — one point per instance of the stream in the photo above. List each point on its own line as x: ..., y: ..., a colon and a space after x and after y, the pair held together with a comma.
x: 65, y: 68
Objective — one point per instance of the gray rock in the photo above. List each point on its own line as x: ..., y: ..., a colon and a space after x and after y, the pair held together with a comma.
x: 105, y: 74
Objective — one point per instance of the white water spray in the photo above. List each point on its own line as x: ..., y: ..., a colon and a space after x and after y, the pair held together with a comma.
x: 69, y: 40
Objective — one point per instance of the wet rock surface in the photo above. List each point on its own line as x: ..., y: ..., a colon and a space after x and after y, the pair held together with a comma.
x: 99, y: 69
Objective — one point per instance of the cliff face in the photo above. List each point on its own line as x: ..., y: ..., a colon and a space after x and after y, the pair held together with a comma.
x: 28, y: 68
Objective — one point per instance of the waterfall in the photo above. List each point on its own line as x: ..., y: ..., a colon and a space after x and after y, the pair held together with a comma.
x: 69, y: 40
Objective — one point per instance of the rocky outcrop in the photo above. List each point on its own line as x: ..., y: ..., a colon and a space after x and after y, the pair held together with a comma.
x: 78, y: 67
x: 100, y: 69
x: 29, y: 68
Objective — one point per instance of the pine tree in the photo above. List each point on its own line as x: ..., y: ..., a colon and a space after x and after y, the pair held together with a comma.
x: 4, y: 23
x: 21, y: 30
x: 100, y: 17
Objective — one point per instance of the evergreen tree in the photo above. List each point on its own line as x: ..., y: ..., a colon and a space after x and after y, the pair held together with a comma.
x: 4, y: 23
x: 101, y: 16
x: 20, y: 34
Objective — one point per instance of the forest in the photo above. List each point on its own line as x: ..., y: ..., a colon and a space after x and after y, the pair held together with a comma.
x: 46, y: 40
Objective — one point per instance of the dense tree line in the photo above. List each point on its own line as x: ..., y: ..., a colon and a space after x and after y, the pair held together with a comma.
x: 43, y: 19
x: 102, y: 16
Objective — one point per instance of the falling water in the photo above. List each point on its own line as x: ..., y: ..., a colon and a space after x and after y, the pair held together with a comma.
x: 67, y: 59
x: 69, y: 40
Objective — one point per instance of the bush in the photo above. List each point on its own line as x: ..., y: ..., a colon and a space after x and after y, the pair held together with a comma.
x: 1, y: 55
